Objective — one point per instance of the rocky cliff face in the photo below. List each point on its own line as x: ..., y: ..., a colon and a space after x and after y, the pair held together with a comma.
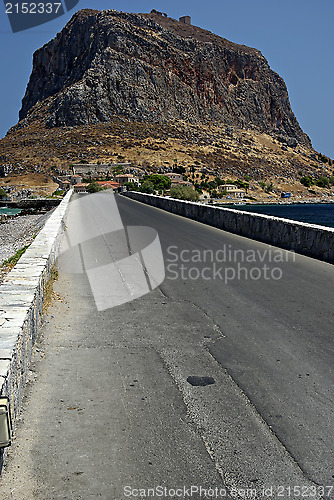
x: 151, y: 68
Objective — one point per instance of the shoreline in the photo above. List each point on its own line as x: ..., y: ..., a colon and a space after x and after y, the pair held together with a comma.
x: 319, y: 201
x: 16, y: 213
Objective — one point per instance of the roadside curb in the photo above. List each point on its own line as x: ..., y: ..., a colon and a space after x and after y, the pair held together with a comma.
x: 21, y: 304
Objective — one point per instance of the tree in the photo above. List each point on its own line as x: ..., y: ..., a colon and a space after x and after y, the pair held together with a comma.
x: 269, y: 187
x: 178, y: 169
x: 147, y: 187
x: 243, y: 185
x: 3, y: 193
x: 307, y: 181
x: 205, y: 185
x: 323, y: 158
x: 131, y: 186
x: 212, y: 184
x: 160, y: 182
x: 93, y: 187
x: 322, y: 182
x: 184, y: 193
x: 198, y: 188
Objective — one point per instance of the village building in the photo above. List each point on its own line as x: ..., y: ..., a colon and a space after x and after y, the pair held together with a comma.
x: 76, y: 179
x: 80, y: 188
x: 183, y: 183
x: 96, y: 170
x: 124, y: 178
x: 109, y: 185
x: 174, y: 177
x: 232, y: 190
x: 64, y: 185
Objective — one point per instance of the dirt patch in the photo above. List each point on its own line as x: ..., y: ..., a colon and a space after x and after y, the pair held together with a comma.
x: 42, y: 183
x: 268, y: 143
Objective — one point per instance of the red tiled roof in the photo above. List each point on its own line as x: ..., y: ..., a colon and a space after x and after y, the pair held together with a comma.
x: 109, y: 183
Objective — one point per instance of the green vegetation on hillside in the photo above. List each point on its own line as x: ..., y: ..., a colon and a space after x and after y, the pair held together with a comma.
x: 322, y: 182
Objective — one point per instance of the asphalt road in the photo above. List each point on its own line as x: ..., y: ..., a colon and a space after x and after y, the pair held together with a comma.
x: 110, y: 411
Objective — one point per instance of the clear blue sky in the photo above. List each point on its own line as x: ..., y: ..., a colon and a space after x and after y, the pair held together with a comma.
x: 295, y: 36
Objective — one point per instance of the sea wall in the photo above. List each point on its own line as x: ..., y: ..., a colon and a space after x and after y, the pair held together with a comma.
x: 32, y: 203
x: 21, y: 303
x: 307, y: 239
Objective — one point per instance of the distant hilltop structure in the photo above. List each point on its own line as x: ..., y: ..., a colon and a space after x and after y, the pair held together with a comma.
x: 183, y: 19
x: 97, y: 168
x: 153, y: 11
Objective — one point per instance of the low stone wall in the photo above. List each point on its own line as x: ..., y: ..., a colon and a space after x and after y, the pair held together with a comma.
x: 32, y: 203
x: 308, y: 239
x: 21, y: 303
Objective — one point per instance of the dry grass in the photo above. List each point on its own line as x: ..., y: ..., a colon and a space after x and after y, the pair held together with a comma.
x: 8, y: 264
x: 42, y: 183
x: 49, y: 294
x: 150, y: 146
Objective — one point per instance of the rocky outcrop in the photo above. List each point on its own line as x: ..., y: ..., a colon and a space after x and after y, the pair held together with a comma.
x: 151, y: 68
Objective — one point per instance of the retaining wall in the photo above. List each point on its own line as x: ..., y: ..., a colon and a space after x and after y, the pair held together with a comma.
x: 308, y: 239
x: 21, y: 303
x: 32, y: 203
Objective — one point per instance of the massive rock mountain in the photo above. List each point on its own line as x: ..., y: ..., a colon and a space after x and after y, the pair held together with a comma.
x: 154, y: 69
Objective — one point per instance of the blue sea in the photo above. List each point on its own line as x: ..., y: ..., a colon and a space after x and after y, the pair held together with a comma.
x: 9, y: 211
x: 321, y: 214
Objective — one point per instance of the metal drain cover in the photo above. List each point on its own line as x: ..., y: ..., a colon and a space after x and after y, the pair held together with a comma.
x: 201, y: 381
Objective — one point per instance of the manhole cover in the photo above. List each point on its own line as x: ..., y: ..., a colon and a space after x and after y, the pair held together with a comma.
x: 200, y: 381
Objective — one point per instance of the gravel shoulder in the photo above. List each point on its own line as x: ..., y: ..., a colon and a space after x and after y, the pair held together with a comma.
x: 16, y: 233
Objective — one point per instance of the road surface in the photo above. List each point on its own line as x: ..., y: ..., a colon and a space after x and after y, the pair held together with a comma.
x: 111, y: 410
